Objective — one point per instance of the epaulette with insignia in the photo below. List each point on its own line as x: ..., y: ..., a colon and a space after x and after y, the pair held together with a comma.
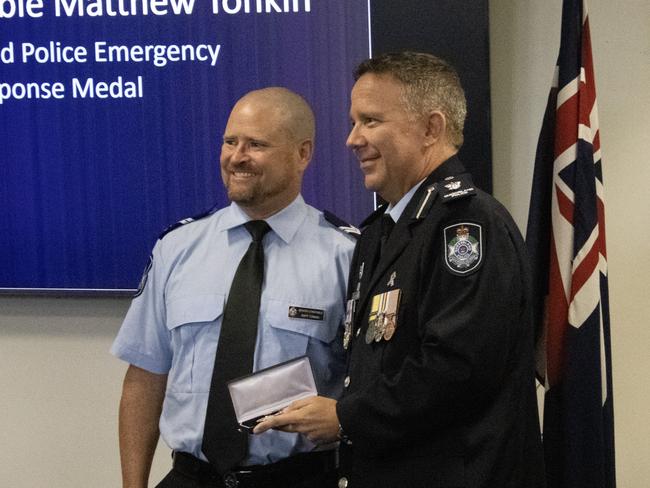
x: 455, y: 187
x: 341, y: 224
x: 374, y: 216
x: 183, y: 222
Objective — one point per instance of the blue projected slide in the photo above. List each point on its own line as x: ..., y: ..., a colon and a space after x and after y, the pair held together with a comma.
x: 111, y: 115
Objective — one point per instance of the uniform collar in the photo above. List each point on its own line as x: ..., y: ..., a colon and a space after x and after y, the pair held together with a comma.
x: 284, y: 223
x: 395, y: 211
x: 451, y: 167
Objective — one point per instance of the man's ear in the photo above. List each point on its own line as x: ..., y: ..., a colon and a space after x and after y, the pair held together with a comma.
x: 305, y: 151
x: 436, y: 128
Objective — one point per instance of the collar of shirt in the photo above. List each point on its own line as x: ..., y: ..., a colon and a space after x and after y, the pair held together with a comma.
x: 395, y: 211
x: 284, y: 223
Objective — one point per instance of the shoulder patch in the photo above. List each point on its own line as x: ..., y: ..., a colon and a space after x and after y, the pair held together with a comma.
x: 145, y: 276
x: 341, y: 224
x: 455, y: 187
x: 463, y: 247
x: 189, y: 220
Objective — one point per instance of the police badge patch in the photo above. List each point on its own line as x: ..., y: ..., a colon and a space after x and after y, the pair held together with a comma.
x: 145, y: 276
x: 463, y: 247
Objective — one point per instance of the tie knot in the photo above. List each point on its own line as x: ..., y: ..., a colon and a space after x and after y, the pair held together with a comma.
x: 257, y: 229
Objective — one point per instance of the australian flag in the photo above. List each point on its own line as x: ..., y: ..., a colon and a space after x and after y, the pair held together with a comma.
x: 566, y: 239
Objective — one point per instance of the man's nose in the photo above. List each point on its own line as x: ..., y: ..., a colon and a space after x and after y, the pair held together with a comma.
x: 355, y: 139
x: 240, y: 152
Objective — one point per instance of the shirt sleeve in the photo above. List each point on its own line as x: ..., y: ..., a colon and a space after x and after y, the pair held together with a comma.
x: 144, y: 340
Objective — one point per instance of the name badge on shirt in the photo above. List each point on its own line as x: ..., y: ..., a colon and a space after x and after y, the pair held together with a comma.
x: 306, y: 313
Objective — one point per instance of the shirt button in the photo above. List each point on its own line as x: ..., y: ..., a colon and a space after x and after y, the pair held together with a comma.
x: 346, y: 381
x: 343, y: 482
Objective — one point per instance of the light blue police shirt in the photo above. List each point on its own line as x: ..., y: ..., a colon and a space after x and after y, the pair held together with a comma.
x: 173, y: 326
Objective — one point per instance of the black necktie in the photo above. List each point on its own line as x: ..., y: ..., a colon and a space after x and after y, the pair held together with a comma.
x: 387, y: 224
x: 225, y: 443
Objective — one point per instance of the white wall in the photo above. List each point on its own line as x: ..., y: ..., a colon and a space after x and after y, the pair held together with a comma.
x: 59, y: 392
x: 59, y: 387
x: 524, y: 43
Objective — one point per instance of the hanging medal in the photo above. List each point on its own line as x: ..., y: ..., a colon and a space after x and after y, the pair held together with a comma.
x: 381, y: 318
x: 349, y: 316
x: 372, y: 319
x: 392, y: 307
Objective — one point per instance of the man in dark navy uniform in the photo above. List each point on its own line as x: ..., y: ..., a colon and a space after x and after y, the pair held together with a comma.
x: 440, y: 385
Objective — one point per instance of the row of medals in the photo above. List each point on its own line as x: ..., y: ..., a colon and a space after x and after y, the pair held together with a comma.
x: 383, y: 316
x: 382, y: 326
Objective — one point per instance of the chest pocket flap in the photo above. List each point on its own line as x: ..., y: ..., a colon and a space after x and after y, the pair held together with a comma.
x: 194, y: 308
x: 313, y: 320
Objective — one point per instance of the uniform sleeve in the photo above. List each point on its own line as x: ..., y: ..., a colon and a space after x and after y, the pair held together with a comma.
x: 468, y: 327
x: 143, y: 339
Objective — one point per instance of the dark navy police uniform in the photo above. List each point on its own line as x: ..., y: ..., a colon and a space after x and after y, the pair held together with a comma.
x: 440, y: 385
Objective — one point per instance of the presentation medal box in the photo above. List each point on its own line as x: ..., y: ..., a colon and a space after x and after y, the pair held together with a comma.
x: 268, y: 391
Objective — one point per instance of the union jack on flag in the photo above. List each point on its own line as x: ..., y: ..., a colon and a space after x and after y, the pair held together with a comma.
x: 566, y: 240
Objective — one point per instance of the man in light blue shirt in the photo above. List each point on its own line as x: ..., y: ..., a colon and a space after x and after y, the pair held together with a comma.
x: 170, y: 334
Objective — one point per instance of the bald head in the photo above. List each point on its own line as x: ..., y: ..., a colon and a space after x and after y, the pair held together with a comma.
x: 291, y: 110
x: 267, y: 145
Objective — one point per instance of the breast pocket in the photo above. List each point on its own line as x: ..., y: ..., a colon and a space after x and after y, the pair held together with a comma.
x: 290, y: 326
x: 194, y: 322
